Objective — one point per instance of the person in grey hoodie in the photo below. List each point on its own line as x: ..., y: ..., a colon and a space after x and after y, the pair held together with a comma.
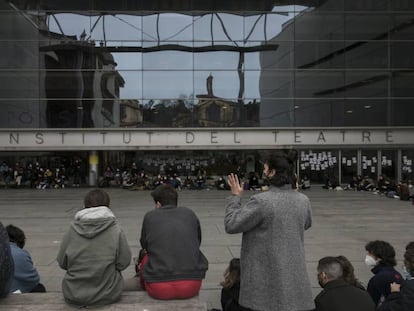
x: 272, y: 259
x: 93, y: 252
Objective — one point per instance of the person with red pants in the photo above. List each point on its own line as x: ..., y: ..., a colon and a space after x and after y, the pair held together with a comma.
x: 173, y: 266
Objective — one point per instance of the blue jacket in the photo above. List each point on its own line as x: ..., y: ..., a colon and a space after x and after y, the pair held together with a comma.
x: 379, y: 284
x: 25, y: 274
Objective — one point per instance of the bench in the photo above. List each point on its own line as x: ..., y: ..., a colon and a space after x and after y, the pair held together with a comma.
x: 130, y: 301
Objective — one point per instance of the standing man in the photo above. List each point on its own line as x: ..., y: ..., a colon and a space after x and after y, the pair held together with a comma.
x: 273, y: 266
x: 93, y: 252
x: 174, y: 266
x: 338, y: 294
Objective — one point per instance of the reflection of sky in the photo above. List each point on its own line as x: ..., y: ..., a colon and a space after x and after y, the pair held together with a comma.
x: 169, y: 74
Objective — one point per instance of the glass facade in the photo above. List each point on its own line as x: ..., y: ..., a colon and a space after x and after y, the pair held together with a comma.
x: 244, y: 63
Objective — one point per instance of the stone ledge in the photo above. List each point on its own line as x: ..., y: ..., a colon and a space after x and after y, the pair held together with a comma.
x: 130, y: 301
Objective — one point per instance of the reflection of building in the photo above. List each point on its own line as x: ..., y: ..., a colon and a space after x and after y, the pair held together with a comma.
x: 337, y: 69
x: 131, y: 113
x: 54, y: 80
x: 308, y: 67
x: 82, y: 86
x: 214, y: 111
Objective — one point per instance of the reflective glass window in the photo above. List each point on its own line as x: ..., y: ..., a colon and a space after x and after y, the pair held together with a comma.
x: 319, y: 83
x: 349, y: 165
x: 389, y: 163
x: 362, y: 26
x: 319, y: 26
x: 369, y: 164
x: 407, y: 165
x: 167, y: 84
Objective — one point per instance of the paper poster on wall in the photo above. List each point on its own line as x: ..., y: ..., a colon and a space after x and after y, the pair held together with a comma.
x: 333, y: 159
x: 364, y: 158
x: 349, y: 163
x: 372, y: 169
x: 312, y: 167
x: 354, y: 160
x: 364, y: 166
x: 389, y: 162
x: 318, y: 168
x: 409, y: 162
x: 369, y: 162
x: 302, y: 167
x: 344, y: 160
x: 374, y: 159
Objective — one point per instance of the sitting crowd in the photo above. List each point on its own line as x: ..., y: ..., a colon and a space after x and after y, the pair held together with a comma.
x: 94, y: 251
x: 402, y: 190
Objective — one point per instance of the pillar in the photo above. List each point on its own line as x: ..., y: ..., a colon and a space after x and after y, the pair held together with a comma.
x: 93, y: 168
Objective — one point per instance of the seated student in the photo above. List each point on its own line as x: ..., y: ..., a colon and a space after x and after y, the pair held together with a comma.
x: 25, y: 278
x: 93, y: 252
x: 6, y: 263
x: 402, y: 299
x: 174, y: 266
x: 337, y: 294
x: 381, y: 259
x: 231, y: 287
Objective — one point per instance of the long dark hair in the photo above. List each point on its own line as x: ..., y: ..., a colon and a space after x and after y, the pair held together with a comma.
x: 284, y: 165
x: 232, y: 274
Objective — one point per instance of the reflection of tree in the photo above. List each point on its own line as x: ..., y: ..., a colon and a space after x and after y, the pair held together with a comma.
x: 208, y: 112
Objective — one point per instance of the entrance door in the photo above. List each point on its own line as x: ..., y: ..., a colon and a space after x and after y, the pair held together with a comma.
x: 319, y: 165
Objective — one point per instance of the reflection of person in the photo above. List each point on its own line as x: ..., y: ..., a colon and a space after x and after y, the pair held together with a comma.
x: 6, y: 263
x: 25, y: 279
x: 337, y: 294
x: 93, y: 252
x: 381, y: 259
x: 231, y: 287
x: 174, y: 266
x: 402, y: 299
x: 273, y: 275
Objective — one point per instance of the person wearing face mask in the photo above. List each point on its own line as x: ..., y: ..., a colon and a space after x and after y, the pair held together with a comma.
x: 273, y: 224
x: 380, y: 259
x: 338, y: 294
x: 402, y: 298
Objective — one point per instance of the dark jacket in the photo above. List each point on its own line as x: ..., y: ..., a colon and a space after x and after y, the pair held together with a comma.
x: 400, y: 301
x: 379, y: 285
x: 172, y: 236
x: 230, y: 299
x: 338, y: 295
x: 6, y: 263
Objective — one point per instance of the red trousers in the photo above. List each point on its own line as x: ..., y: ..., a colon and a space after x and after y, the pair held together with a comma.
x: 181, y: 289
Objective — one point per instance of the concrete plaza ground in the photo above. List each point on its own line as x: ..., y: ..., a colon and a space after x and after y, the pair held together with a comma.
x: 343, y: 222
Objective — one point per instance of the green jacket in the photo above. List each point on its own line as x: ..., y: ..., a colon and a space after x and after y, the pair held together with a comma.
x: 93, y: 252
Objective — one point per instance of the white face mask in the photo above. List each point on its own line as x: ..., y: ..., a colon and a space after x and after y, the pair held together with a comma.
x: 370, y: 261
x: 406, y: 274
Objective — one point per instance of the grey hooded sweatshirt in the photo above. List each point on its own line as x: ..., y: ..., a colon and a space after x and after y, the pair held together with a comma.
x: 93, y: 252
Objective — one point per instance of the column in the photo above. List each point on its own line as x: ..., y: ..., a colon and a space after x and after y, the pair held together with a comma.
x: 93, y: 168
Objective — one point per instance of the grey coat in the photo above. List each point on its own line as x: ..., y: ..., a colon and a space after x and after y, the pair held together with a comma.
x: 273, y: 268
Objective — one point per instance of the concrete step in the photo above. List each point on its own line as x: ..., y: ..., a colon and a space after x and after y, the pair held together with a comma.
x: 130, y: 301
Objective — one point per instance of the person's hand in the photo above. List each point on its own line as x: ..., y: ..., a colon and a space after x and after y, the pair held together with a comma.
x: 235, y: 187
x: 395, y: 287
